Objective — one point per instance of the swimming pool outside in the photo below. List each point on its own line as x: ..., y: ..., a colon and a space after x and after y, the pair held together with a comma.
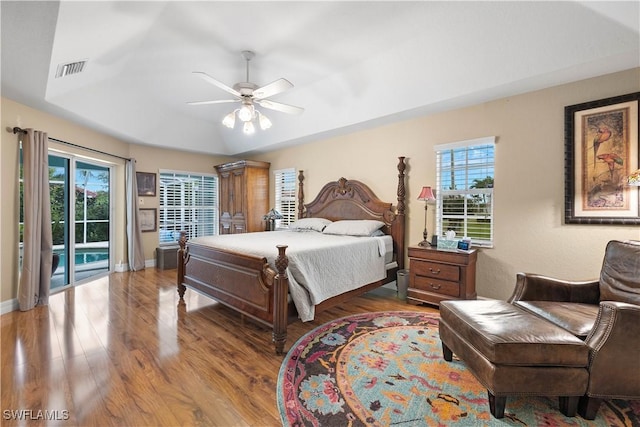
x: 89, y: 261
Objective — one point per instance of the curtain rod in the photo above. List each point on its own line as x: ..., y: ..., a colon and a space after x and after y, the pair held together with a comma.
x: 16, y: 129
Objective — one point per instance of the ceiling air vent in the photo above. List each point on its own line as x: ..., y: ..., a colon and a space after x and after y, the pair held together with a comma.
x: 70, y: 68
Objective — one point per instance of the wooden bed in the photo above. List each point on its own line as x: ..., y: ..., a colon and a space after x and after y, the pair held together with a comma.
x: 249, y: 285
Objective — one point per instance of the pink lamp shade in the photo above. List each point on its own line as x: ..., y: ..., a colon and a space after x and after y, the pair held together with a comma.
x: 426, y: 194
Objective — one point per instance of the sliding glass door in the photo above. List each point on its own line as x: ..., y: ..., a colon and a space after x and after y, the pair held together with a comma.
x: 92, y: 230
x: 81, y: 218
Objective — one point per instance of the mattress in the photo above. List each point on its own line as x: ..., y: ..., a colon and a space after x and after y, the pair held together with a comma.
x: 321, y: 266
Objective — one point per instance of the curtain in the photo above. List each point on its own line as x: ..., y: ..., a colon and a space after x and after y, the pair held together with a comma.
x: 134, y: 235
x: 37, y: 256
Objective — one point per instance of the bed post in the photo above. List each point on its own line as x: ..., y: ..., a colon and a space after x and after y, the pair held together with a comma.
x: 300, y: 194
x: 400, y: 218
x: 182, y: 254
x: 280, y: 301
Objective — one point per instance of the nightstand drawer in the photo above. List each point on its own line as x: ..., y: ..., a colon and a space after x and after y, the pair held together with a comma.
x: 436, y: 270
x: 437, y: 286
x: 435, y: 276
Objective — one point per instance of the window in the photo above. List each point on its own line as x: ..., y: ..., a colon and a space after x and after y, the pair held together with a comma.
x: 464, y: 183
x: 188, y: 202
x: 285, y: 190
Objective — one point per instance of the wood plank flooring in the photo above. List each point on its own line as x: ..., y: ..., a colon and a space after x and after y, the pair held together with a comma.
x: 121, y: 351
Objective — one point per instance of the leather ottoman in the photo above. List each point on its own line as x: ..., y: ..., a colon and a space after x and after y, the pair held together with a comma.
x: 512, y: 352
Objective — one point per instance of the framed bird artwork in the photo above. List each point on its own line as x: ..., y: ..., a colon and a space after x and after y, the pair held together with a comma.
x: 601, y: 151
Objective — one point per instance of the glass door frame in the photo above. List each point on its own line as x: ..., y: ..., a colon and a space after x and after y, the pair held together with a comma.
x: 69, y: 263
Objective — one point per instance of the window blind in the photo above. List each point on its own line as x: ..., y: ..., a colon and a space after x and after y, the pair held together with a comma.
x: 464, y: 183
x: 189, y: 202
x: 285, y: 195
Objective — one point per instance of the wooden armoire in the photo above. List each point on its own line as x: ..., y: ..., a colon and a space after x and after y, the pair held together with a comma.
x: 243, y: 196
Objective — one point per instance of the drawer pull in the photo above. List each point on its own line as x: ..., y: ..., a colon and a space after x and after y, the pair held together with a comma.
x: 434, y: 271
x: 435, y: 287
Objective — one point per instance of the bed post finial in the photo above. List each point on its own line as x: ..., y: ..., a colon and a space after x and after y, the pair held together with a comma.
x: 300, y: 194
x: 280, y: 303
x: 401, y: 190
x: 399, y: 224
x: 182, y: 256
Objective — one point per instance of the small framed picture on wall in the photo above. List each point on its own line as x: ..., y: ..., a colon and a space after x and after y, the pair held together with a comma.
x: 148, y: 219
x: 146, y: 183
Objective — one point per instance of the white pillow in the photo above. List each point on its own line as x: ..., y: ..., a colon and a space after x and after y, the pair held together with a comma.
x: 378, y: 233
x: 353, y: 227
x: 309, y: 224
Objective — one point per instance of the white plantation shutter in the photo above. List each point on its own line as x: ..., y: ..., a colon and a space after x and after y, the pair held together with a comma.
x: 188, y: 202
x: 285, y: 191
x: 464, y: 189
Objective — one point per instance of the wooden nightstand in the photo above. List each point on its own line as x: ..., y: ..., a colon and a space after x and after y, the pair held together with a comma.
x: 436, y: 275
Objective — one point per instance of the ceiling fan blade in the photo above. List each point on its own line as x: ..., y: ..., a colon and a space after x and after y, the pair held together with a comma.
x: 278, y: 106
x: 215, y: 82
x: 222, y: 101
x: 272, y: 88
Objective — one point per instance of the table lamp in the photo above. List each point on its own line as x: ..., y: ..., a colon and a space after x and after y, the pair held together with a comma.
x: 271, y: 217
x: 427, y: 196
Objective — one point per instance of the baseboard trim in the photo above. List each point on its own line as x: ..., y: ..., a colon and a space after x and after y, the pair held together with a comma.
x: 9, y: 306
x: 121, y: 268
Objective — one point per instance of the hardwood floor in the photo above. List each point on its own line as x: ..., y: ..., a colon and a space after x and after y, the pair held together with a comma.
x: 120, y: 351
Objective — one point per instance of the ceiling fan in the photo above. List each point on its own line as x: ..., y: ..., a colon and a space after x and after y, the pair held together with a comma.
x: 248, y: 94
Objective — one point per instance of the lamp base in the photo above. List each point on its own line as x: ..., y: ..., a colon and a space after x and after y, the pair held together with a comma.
x: 425, y: 242
x: 271, y: 224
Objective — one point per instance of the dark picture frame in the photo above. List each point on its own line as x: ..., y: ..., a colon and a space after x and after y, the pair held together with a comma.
x: 601, y: 150
x: 148, y: 219
x: 146, y: 182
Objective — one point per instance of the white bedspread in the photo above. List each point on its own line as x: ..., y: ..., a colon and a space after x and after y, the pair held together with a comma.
x: 320, y: 266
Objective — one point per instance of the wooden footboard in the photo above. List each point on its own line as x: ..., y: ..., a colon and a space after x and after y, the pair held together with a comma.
x: 245, y: 283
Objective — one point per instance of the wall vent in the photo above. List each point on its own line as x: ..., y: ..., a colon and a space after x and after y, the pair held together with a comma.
x: 70, y: 68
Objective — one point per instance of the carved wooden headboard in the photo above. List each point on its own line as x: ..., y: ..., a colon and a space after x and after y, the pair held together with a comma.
x: 352, y: 199
x: 348, y: 199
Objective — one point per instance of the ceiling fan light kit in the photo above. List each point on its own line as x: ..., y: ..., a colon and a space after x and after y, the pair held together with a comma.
x: 250, y: 94
x: 230, y: 119
x: 246, y: 113
x: 265, y: 123
x: 248, y: 128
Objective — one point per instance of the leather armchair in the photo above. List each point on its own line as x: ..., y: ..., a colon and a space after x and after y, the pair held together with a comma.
x: 605, y: 313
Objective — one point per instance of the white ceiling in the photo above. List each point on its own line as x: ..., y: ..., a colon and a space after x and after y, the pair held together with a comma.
x: 353, y: 64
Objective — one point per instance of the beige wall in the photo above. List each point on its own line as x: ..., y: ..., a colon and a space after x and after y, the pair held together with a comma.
x: 529, y: 177
x: 148, y: 159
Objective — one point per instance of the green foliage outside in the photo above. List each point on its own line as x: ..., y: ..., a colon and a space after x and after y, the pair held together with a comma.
x: 477, y: 208
x: 97, y: 209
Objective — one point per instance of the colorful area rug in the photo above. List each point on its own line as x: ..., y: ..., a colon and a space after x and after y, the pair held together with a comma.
x: 384, y: 369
